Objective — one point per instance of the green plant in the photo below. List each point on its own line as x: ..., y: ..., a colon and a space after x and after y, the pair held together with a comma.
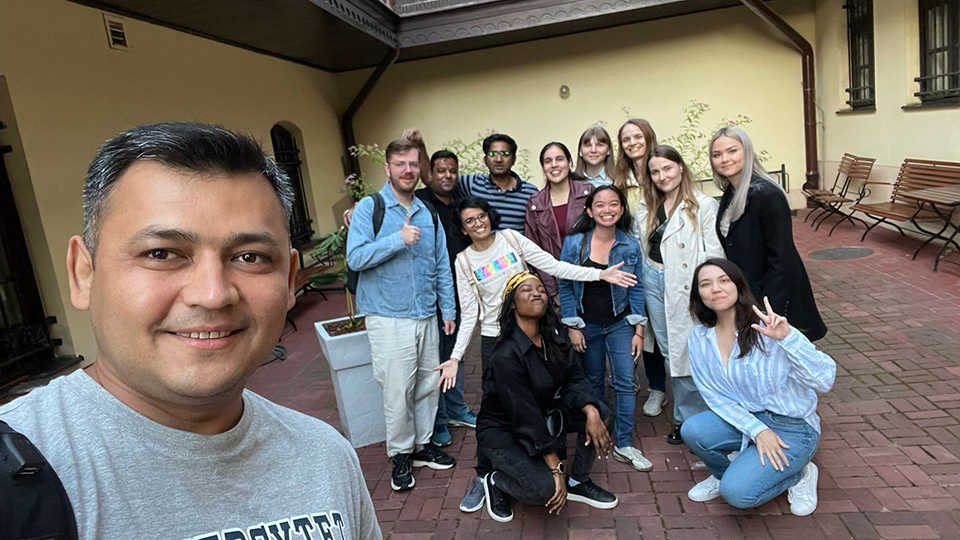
x: 334, y: 248
x: 692, y: 143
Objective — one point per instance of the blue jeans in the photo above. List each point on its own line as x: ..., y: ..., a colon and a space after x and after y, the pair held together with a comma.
x: 745, y: 483
x: 686, y: 398
x: 614, y: 341
x: 451, y: 404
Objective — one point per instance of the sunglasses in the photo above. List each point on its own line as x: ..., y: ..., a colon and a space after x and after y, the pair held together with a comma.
x: 495, y: 153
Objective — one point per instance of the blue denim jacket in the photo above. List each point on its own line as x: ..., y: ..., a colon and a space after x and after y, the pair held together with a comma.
x: 397, y: 280
x: 625, y: 249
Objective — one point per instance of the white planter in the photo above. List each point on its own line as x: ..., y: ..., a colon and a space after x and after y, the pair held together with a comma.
x: 359, y: 397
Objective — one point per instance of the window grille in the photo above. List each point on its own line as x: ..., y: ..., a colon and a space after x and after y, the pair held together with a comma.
x: 862, y: 91
x: 287, y: 154
x: 939, y: 51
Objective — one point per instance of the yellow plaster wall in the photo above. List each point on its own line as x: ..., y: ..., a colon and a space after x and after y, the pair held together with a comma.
x: 726, y: 58
x: 891, y: 133
x: 70, y: 92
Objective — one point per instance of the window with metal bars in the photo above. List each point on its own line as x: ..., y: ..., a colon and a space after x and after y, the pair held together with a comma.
x: 287, y: 154
x: 939, y: 51
x: 862, y: 91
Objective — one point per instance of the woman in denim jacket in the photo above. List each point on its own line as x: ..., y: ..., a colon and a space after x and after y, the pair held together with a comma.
x: 605, y: 320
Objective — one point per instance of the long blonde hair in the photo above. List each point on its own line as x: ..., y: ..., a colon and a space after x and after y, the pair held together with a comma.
x: 601, y: 135
x: 751, y: 167
x: 625, y: 166
x: 653, y: 196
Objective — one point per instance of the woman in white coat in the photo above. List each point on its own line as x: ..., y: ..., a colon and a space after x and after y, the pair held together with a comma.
x: 676, y: 226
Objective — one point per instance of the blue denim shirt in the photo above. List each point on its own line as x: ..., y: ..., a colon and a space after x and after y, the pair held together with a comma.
x: 625, y: 249
x: 397, y: 280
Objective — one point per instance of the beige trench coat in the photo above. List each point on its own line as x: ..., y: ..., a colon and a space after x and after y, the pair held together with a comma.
x: 683, y: 247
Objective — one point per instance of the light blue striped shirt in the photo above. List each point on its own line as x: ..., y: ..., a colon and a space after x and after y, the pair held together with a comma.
x: 784, y: 380
x: 601, y: 179
x: 510, y: 204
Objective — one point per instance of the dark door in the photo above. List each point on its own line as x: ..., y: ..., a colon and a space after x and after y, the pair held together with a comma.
x: 25, y: 344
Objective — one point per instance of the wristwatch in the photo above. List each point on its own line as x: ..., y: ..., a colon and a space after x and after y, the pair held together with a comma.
x: 559, y: 469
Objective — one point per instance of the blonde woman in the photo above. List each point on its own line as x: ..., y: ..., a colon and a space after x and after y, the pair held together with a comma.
x: 676, y: 226
x: 595, y: 157
x: 636, y: 138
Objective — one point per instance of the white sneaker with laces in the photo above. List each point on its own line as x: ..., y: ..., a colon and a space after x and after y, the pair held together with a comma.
x: 803, y: 495
x: 633, y: 457
x: 654, y: 403
x: 706, y: 490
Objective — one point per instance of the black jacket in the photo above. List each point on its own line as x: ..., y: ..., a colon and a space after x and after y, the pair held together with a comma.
x: 519, y: 387
x: 761, y: 244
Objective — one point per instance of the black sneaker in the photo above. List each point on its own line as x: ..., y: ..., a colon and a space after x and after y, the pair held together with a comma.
x: 591, y: 494
x: 433, y: 457
x: 674, y: 436
x: 402, y: 477
x: 498, y: 502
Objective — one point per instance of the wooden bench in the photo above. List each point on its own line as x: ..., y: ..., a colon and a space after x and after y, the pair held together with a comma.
x: 915, y: 174
x: 830, y: 201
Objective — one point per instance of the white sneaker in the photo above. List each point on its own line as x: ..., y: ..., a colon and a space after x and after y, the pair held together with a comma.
x: 707, y: 490
x: 803, y: 496
x: 654, y: 404
x: 632, y: 457
x: 732, y: 456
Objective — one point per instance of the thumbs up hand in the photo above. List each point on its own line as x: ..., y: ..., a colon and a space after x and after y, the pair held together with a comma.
x: 410, y: 234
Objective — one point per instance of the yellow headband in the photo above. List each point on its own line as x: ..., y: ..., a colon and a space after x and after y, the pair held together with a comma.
x: 515, y: 281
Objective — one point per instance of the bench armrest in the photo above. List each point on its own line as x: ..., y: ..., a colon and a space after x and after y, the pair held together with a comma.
x: 878, y: 182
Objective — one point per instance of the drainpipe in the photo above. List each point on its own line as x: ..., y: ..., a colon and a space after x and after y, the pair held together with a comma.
x: 346, y: 121
x: 809, y: 92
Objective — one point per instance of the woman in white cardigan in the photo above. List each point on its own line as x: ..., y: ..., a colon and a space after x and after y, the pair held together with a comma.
x: 676, y: 226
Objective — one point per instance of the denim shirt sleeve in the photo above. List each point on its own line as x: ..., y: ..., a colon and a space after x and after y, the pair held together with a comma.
x: 568, y: 300
x: 364, y: 251
x: 635, y: 294
x: 445, y: 294
x: 705, y: 366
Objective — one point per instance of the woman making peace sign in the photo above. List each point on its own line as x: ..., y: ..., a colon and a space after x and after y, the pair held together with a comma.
x: 760, y: 377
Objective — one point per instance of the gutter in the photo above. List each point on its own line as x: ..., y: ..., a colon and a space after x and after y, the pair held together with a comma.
x: 346, y: 121
x: 809, y: 91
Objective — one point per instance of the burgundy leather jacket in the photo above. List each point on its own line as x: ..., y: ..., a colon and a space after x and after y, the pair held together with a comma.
x: 541, y: 226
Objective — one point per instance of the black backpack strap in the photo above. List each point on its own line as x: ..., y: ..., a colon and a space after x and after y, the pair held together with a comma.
x: 378, y: 210
x: 33, y: 503
x: 433, y: 214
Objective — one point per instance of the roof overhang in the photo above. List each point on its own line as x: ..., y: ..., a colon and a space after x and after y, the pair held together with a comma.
x: 343, y: 35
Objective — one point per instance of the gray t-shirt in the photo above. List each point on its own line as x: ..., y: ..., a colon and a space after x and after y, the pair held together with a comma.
x: 277, y: 475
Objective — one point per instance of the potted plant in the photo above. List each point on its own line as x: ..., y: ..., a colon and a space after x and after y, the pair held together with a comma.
x: 344, y: 344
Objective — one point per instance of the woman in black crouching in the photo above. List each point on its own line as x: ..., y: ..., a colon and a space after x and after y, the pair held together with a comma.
x: 534, y: 393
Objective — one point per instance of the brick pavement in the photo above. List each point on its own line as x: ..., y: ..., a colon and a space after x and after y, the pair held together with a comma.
x: 889, y: 456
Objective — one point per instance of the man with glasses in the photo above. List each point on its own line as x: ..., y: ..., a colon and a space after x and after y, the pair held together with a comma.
x: 506, y: 192
x: 404, y: 274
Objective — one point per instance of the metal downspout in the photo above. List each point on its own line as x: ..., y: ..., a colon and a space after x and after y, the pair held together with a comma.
x: 346, y: 121
x: 809, y: 92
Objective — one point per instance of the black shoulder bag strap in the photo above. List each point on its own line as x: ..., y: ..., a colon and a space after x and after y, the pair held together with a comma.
x: 33, y: 503
x: 379, y: 209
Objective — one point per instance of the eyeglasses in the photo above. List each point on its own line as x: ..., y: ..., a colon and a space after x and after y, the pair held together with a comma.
x: 414, y: 165
x: 482, y: 216
x: 495, y: 153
